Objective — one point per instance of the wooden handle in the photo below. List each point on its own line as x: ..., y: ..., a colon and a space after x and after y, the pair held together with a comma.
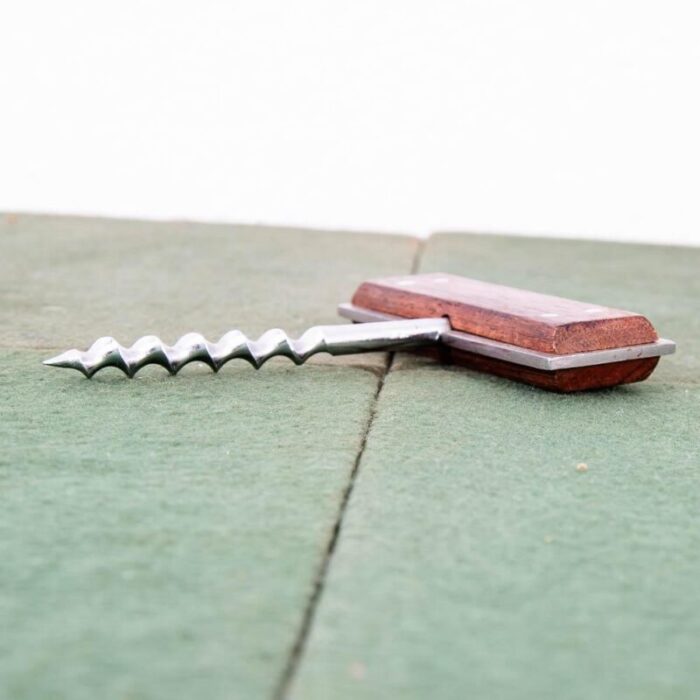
x: 519, y: 317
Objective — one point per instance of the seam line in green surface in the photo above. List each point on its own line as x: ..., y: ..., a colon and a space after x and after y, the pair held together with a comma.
x: 290, y: 669
x: 320, y: 579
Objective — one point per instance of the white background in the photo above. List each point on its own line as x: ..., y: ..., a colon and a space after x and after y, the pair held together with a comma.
x: 546, y: 116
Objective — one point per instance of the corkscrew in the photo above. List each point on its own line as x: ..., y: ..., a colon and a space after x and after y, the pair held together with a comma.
x: 548, y: 341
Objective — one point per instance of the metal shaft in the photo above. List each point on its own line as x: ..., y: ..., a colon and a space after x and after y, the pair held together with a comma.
x: 193, y: 347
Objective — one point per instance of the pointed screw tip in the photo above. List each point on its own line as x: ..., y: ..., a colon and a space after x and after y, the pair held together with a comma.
x: 62, y: 360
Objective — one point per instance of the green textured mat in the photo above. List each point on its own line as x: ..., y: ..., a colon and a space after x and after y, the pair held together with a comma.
x: 161, y: 537
x: 476, y: 562
x: 166, y: 537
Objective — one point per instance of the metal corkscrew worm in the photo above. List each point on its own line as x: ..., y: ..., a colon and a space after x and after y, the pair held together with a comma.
x: 193, y: 347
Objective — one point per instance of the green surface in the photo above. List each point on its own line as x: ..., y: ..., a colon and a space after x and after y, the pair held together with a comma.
x: 160, y: 537
x: 476, y: 562
x: 163, y: 537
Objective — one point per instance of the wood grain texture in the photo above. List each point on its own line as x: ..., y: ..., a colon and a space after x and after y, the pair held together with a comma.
x: 516, y: 316
x: 523, y: 318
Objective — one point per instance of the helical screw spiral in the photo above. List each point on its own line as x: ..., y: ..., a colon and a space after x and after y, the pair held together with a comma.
x: 194, y: 347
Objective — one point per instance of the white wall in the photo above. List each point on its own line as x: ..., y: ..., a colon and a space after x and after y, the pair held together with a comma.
x: 545, y: 116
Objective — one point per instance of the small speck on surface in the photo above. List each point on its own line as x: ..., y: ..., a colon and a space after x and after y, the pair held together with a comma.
x: 357, y: 670
x: 581, y: 467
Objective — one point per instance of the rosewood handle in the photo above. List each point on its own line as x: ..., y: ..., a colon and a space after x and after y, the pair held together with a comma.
x: 521, y: 318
